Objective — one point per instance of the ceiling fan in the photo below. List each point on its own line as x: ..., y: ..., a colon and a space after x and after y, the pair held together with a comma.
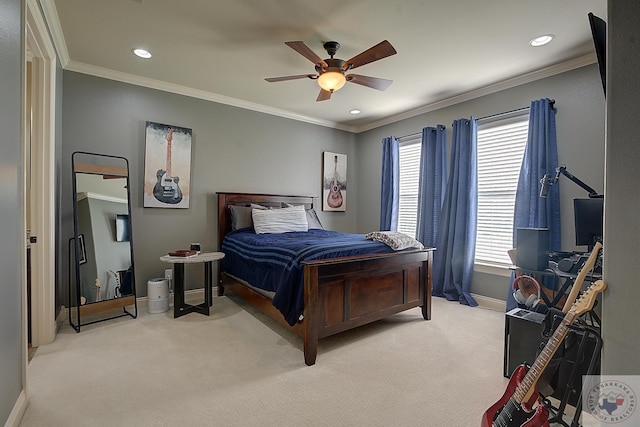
x: 331, y: 71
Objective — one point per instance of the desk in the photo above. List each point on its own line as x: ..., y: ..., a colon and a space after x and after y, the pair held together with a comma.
x: 180, y: 308
x: 564, y: 279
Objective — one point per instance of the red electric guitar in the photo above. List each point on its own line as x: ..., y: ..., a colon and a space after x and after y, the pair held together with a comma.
x: 516, y: 406
x: 166, y: 189
x: 334, y: 199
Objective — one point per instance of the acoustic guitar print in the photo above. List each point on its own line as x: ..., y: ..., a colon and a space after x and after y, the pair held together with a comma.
x: 167, y: 189
x: 334, y: 199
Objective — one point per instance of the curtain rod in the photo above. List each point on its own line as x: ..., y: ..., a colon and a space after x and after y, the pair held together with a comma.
x: 551, y: 103
x: 413, y: 135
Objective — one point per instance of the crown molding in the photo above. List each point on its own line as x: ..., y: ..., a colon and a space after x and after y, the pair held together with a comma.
x: 542, y: 73
x: 103, y: 197
x: 195, y: 93
x: 55, y: 30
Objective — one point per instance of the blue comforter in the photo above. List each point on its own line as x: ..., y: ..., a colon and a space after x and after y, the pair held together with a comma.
x: 272, y: 261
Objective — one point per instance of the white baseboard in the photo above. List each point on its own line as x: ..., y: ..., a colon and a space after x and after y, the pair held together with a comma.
x: 490, y: 303
x: 192, y: 295
x: 18, y: 411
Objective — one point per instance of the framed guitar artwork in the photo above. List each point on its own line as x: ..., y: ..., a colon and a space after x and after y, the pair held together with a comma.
x: 334, y: 182
x: 167, y: 166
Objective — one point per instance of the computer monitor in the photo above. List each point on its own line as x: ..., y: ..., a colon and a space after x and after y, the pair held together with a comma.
x: 122, y: 227
x: 588, y: 221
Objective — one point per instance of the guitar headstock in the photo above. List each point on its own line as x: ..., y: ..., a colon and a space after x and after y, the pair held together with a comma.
x: 588, y: 299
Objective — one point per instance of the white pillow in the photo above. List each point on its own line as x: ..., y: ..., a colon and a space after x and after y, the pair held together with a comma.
x: 312, y: 217
x: 280, y: 220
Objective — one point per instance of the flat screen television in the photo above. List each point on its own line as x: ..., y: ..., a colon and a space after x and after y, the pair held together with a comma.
x: 588, y: 221
x: 599, y: 33
x: 122, y: 227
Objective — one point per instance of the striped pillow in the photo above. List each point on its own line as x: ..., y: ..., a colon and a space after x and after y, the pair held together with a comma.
x: 280, y: 220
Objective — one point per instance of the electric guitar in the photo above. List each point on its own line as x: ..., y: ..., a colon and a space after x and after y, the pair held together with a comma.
x: 516, y: 406
x: 334, y: 199
x: 166, y: 189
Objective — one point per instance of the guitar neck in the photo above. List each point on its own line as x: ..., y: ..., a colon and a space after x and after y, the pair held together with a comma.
x: 527, y: 386
x: 169, y: 140
x: 168, y: 158
x: 588, y: 266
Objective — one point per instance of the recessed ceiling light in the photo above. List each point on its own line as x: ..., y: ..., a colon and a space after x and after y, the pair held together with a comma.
x: 355, y: 111
x: 142, y: 53
x: 541, y: 40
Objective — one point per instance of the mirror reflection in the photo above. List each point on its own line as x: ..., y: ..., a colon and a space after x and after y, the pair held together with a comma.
x: 103, y: 224
x: 104, y: 268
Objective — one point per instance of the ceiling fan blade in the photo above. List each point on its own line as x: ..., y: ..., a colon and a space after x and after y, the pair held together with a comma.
x: 372, y: 82
x: 283, y: 78
x: 379, y: 51
x: 304, y: 50
x: 323, y: 95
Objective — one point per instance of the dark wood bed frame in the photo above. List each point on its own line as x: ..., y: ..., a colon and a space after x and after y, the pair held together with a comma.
x: 339, y: 293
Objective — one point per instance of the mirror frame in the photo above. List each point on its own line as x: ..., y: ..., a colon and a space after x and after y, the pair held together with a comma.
x: 82, y: 310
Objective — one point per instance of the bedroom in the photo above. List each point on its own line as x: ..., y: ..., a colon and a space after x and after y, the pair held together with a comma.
x: 225, y: 133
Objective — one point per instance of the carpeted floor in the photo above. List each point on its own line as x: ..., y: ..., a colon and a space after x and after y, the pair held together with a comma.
x: 237, y: 368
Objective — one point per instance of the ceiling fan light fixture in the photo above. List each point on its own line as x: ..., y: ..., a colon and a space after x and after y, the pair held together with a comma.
x: 331, y: 80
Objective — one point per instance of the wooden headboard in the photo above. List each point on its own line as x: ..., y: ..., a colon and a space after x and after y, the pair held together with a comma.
x: 245, y: 199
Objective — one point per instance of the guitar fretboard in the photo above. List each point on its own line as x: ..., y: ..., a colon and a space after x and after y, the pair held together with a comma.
x: 526, y: 387
x: 169, y: 139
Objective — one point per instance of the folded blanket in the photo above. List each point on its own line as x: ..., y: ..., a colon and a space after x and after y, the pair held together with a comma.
x: 395, y: 240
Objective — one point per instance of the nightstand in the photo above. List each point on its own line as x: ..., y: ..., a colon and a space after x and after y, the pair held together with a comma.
x: 180, y: 308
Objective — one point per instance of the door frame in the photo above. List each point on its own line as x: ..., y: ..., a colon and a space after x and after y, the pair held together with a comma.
x: 43, y: 177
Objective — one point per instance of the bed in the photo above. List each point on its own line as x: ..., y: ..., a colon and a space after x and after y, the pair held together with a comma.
x: 339, y: 293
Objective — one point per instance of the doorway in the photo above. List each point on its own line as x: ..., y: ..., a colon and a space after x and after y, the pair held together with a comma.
x: 39, y: 160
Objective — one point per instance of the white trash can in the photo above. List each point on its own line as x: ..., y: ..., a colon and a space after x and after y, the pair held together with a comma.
x: 158, y: 295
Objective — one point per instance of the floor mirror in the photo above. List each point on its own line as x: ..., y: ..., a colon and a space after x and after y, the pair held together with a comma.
x: 101, y: 249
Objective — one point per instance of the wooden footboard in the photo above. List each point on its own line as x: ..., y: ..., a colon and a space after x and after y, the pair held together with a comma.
x: 343, y: 293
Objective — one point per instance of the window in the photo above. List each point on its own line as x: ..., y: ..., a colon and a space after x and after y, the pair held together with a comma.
x: 410, y: 149
x: 501, y: 144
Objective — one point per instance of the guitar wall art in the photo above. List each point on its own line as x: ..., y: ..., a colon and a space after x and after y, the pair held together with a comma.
x: 334, y: 178
x: 167, y: 166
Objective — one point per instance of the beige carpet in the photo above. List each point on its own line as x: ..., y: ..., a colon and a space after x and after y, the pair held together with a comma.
x: 236, y: 368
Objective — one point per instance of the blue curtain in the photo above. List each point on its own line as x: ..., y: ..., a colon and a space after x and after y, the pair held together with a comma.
x: 432, y: 183
x: 390, y: 193
x: 456, y: 239
x: 540, y: 158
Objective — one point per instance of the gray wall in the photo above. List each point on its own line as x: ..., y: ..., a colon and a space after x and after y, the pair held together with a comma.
x: 12, y: 346
x: 240, y: 150
x: 622, y: 223
x: 232, y: 150
x: 580, y: 134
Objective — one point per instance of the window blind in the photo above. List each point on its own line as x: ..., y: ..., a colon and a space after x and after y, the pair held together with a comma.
x: 409, y: 179
x: 501, y: 144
